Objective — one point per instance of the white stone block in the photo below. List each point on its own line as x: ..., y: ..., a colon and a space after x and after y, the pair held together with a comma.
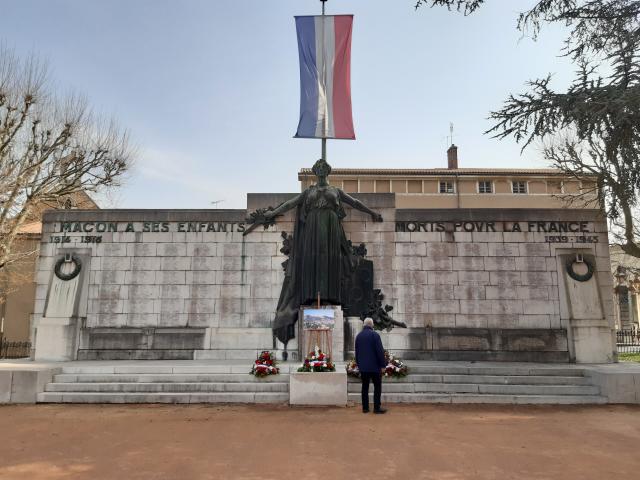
x: 539, y: 307
x: 411, y: 277
x: 171, y: 277
x: 488, y: 237
x: 56, y: 339
x: 472, y: 249
x: 141, y: 292
x: 171, y: 249
x: 143, y: 263
x: 202, y: 249
x: 141, y: 249
x: 327, y: 388
x: 443, y: 277
x: 535, y: 250
x: 200, y: 305
x: 531, y: 264
x: 503, y: 250
x: 442, y: 306
x: 503, y: 292
x: 499, y: 263
x: 411, y: 249
x: 139, y: 305
x: 407, y: 263
x: 174, y: 291
x: 500, y: 278
x: 142, y: 320
x: 172, y: 306
x: 140, y: 277
x: 466, y: 264
x: 473, y: 278
x: 475, y: 307
x: 438, y: 292
x: 201, y: 277
x: 116, y: 263
x: 470, y: 292
x: 111, y: 250
x: 472, y: 321
x: 435, y: 263
x: 508, y: 307
x: 426, y: 237
x: 204, y: 291
x: 175, y: 263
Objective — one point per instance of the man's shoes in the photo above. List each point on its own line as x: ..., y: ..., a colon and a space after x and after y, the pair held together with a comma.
x: 380, y: 411
x: 365, y: 410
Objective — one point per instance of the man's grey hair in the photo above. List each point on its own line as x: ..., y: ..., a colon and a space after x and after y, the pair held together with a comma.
x: 368, y: 322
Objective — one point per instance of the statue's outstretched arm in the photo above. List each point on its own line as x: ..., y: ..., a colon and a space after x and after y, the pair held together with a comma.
x: 266, y: 216
x: 285, y: 206
x: 358, y: 205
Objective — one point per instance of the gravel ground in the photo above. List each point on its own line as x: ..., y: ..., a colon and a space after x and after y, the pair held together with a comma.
x: 56, y: 442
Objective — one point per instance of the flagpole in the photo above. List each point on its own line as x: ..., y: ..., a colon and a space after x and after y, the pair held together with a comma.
x: 324, y: 80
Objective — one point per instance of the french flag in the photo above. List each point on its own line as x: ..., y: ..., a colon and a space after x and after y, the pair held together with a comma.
x: 324, y: 46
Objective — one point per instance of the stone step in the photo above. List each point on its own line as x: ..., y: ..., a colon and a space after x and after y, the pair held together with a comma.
x: 448, y: 369
x: 167, y: 378
x: 486, y: 398
x: 140, y: 387
x: 487, y: 379
x: 484, y: 389
x: 162, y: 368
x: 221, y: 397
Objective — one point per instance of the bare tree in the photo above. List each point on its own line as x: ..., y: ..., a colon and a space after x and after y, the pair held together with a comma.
x: 50, y: 147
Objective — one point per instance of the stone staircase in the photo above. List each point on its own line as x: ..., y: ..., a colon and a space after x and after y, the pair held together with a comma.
x: 499, y: 384
x: 164, y: 384
x: 220, y: 382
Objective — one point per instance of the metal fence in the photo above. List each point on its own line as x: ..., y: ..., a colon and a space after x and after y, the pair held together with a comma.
x: 14, y: 349
x: 628, y: 341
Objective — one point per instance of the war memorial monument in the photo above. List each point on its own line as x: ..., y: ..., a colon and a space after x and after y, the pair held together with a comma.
x: 527, y: 285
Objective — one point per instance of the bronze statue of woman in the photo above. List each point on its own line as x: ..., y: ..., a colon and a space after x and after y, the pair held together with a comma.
x: 320, y: 255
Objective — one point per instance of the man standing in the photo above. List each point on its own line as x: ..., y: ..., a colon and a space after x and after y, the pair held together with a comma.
x: 370, y: 360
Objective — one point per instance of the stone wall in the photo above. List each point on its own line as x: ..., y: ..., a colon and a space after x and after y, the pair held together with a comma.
x: 218, y: 289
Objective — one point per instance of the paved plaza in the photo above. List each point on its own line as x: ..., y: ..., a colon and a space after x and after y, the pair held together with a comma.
x: 64, y: 442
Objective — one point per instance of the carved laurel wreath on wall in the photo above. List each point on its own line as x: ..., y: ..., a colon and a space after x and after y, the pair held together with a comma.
x: 66, y: 259
x: 571, y: 261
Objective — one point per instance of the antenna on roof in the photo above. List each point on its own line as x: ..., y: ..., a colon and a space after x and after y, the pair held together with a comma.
x: 451, y: 132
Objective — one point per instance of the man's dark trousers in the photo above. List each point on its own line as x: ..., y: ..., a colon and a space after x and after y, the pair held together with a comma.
x: 376, y: 378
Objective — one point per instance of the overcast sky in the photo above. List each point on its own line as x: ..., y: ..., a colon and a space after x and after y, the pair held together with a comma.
x: 210, y: 88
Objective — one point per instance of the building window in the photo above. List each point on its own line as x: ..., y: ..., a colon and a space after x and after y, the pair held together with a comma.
x: 485, y: 186
x: 519, y: 187
x: 446, y: 187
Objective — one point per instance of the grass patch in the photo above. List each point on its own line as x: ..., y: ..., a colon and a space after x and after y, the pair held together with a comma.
x: 629, y: 357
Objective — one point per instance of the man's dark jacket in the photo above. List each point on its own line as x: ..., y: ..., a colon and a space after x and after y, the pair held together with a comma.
x: 369, y: 351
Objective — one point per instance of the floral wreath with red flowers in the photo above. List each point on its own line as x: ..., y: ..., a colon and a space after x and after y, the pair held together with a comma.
x: 395, y: 367
x: 352, y: 369
x: 265, y: 365
x: 317, y: 361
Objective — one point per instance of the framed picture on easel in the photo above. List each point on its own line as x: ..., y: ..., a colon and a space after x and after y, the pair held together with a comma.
x: 318, y: 319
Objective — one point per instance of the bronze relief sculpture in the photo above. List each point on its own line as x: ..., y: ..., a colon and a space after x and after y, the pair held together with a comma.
x: 320, y: 256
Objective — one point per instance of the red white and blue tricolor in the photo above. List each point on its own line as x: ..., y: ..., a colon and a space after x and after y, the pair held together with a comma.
x: 324, y: 46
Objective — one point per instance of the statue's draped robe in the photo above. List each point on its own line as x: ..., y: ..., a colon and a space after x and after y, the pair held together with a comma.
x: 320, y: 258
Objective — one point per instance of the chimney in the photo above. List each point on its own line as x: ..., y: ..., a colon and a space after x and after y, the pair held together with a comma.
x: 452, y: 157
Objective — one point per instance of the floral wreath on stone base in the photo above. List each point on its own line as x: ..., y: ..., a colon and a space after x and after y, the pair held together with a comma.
x: 395, y: 368
x: 265, y: 365
x: 317, y: 361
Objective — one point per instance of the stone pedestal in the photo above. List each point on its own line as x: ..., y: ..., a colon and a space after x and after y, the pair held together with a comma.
x: 591, y: 333
x: 310, y: 388
x: 57, y: 332
x: 56, y: 339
